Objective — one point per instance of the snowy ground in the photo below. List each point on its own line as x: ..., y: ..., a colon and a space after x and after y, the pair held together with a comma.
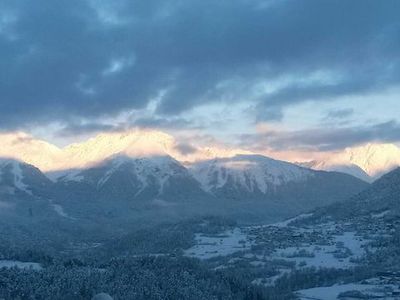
x: 339, y: 253
x: 323, y: 256
x: 326, y: 245
x: 60, y: 210
x: 208, y: 246
x: 22, y: 265
x: 369, y: 290
x: 270, y: 281
x: 287, y: 222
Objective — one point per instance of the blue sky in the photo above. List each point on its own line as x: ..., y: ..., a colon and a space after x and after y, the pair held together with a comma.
x: 291, y: 74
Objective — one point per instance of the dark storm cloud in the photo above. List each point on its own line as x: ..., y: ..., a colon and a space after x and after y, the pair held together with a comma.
x: 65, y: 59
x: 324, y: 139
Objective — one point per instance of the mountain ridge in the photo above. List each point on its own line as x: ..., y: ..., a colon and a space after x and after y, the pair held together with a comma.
x: 367, y: 162
x: 252, y: 185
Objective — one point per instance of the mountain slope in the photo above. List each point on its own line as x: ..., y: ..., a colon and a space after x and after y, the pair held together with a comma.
x: 251, y: 173
x: 383, y: 196
x: 123, y: 189
x: 21, y: 178
x: 347, y: 168
x: 26, y: 208
x: 263, y: 184
x: 135, y: 179
x: 374, y: 159
x: 367, y: 162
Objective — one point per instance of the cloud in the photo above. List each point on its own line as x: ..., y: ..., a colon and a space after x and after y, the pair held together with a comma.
x: 339, y: 113
x: 73, y: 129
x: 159, y: 122
x: 68, y: 59
x: 323, y: 139
x: 185, y: 148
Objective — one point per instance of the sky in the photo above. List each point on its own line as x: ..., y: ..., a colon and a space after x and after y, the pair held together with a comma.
x: 287, y: 75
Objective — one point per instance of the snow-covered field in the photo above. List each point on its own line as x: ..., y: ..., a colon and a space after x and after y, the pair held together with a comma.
x: 369, y: 290
x: 339, y: 253
x: 19, y: 264
x: 324, y: 256
x: 208, y: 246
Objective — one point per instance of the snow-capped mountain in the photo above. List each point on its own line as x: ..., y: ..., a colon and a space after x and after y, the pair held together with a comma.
x: 115, y: 173
x: 25, y: 194
x: 253, y: 173
x: 131, y: 143
x: 374, y: 159
x: 366, y: 162
x: 256, y: 177
x: 157, y: 178
x: 327, y: 165
x: 123, y: 187
x: 19, y: 177
x: 23, y: 147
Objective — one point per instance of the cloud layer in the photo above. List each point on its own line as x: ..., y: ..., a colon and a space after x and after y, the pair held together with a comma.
x: 323, y: 139
x: 70, y: 60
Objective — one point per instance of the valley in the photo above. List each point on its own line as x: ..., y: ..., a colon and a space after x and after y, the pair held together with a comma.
x: 199, y: 150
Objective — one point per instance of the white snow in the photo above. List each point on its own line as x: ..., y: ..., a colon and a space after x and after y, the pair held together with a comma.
x: 251, y: 172
x: 18, y: 178
x: 287, y: 222
x: 68, y: 175
x: 223, y: 244
x: 381, y: 215
x: 161, y: 168
x: 323, y: 256
x: 60, y: 211
x: 17, y: 173
x: 270, y: 281
x: 21, y: 265
x: 332, y: 165
x: 373, y: 159
x: 157, y: 169
x: 332, y: 292
x: 366, y: 162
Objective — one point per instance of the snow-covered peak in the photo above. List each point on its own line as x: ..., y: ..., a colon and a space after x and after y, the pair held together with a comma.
x: 23, y: 147
x: 146, y: 170
x: 374, y: 159
x: 336, y: 166
x: 143, y: 143
x: 366, y: 162
x: 49, y: 158
x: 251, y: 172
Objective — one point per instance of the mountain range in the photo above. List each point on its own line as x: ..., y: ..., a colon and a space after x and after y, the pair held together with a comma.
x: 123, y: 188
x: 367, y: 162
x: 141, y: 175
